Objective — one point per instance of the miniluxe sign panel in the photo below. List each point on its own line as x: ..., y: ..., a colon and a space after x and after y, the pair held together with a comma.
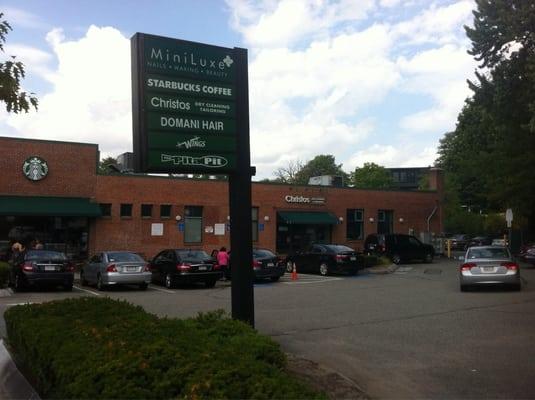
x: 184, y: 106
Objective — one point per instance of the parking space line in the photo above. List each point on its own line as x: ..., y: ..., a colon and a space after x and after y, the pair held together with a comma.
x: 86, y: 290
x: 22, y: 304
x: 311, y: 281
x: 161, y: 290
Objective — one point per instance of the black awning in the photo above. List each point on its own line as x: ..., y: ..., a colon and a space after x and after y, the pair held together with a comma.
x: 48, y: 206
x: 308, y: 218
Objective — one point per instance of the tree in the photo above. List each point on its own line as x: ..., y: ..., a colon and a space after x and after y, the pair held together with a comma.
x: 107, y: 166
x: 288, y: 173
x: 11, y: 73
x: 372, y: 176
x: 320, y: 165
x: 490, y: 154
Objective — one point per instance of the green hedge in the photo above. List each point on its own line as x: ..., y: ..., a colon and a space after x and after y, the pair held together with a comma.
x: 4, y: 273
x: 89, y: 348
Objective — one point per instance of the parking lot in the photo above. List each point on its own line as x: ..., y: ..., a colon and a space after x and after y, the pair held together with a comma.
x: 411, y: 333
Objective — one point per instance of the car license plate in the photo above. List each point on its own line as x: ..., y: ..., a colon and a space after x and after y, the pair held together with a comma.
x: 353, y: 258
x: 270, y: 264
x: 50, y: 268
x: 202, y: 268
x: 131, y: 269
x: 488, y: 269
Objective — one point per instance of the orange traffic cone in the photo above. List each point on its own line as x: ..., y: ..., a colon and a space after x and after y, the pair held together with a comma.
x: 294, y: 273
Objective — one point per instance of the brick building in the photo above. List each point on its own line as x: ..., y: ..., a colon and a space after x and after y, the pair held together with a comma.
x: 51, y: 191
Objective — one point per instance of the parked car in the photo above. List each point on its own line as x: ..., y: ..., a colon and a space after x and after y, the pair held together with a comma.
x: 399, y: 247
x: 459, y: 242
x: 478, y: 241
x: 266, y: 265
x: 42, y: 267
x: 325, y: 259
x: 116, y: 268
x: 527, y: 253
x: 499, y: 242
x: 174, y: 266
x: 489, y: 265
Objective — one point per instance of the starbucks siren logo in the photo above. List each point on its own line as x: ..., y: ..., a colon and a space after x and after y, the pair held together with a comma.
x: 35, y: 168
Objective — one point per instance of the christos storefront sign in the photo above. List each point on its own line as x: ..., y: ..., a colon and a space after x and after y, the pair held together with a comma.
x: 184, y: 106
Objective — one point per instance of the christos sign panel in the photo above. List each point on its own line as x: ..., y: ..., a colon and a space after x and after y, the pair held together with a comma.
x: 184, y: 106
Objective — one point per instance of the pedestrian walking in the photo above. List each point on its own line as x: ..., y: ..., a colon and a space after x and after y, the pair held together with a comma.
x: 223, y: 259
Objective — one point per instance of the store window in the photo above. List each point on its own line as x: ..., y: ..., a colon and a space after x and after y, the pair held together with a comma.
x: 254, y: 218
x: 126, y: 210
x: 165, y: 211
x: 355, y: 224
x: 105, y: 208
x: 146, y: 210
x: 193, y: 224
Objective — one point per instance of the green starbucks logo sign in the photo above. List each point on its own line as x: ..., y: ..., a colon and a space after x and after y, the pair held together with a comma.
x: 35, y: 168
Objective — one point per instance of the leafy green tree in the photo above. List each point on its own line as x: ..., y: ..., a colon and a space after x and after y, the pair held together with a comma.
x: 320, y: 165
x: 490, y: 154
x: 372, y: 176
x: 11, y: 73
x: 106, y: 166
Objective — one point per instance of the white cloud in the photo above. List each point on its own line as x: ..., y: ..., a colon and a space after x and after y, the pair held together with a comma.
x: 20, y: 18
x: 91, y: 96
x: 35, y: 61
x: 408, y: 155
x: 281, y: 23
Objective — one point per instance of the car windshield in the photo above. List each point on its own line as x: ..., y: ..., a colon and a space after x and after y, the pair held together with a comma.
x: 257, y: 253
x: 36, y: 255
x: 497, y: 253
x: 336, y: 248
x: 193, y: 254
x: 124, y: 256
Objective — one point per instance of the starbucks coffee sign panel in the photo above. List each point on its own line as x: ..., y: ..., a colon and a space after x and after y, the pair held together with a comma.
x: 184, y: 106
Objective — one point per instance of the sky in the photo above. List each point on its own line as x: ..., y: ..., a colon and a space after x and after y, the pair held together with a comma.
x: 363, y: 80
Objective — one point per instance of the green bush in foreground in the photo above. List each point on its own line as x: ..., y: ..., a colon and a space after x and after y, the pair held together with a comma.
x: 89, y: 348
x: 4, y: 273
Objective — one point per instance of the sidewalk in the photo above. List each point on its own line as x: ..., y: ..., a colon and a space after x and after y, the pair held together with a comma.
x: 13, y: 385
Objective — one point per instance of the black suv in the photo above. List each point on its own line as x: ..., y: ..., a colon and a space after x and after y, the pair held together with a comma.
x: 399, y: 247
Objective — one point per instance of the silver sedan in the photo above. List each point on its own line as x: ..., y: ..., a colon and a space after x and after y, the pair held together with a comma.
x: 116, y: 268
x: 489, y: 265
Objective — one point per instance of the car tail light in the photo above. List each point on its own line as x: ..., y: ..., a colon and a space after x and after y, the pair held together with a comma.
x: 146, y: 268
x: 381, y: 247
x: 69, y: 267
x: 510, y: 265
x: 27, y: 266
x: 257, y: 264
x: 217, y: 267
x: 111, y: 268
x: 467, y: 266
x: 341, y: 258
x: 183, y: 267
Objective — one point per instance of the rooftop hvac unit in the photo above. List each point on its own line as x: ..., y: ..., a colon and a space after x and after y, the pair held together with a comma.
x: 326, y: 180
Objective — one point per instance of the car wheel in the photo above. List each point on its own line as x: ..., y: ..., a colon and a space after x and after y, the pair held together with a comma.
x: 83, y: 281
x: 464, y: 288
x: 100, y: 284
x: 169, y: 284
x: 428, y: 258
x: 396, y: 259
x: 210, y: 283
x: 18, y: 285
x: 143, y: 286
x: 275, y: 278
x: 324, y: 269
x: 516, y: 287
x: 68, y: 287
x: 289, y: 266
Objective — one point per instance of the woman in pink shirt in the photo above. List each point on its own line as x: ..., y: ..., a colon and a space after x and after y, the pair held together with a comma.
x: 223, y: 261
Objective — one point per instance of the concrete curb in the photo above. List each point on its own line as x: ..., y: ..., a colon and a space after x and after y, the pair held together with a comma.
x: 13, y: 385
x: 383, y: 269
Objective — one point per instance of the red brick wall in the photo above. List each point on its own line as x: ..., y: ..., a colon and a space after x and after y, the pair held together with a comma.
x: 72, y: 172
x: 71, y: 168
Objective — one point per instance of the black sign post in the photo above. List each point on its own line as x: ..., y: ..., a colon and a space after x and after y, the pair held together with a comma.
x: 190, y: 109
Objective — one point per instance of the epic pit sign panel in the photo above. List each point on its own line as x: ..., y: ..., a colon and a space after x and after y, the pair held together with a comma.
x: 184, y: 106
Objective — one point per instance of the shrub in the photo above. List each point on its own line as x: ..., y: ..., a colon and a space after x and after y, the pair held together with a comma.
x: 4, y: 273
x: 103, y: 348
